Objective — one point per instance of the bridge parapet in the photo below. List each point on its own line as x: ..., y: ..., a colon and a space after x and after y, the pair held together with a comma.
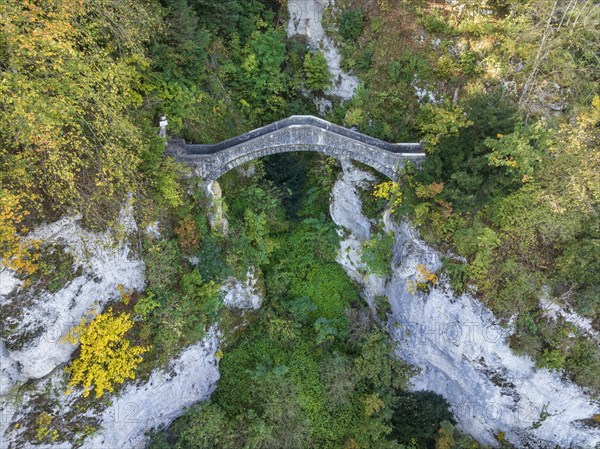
x: 296, y: 133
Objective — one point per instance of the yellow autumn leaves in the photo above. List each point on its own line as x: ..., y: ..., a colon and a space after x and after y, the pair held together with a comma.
x: 107, y: 357
x: 70, y: 74
x: 17, y: 252
x: 423, y: 280
x: 390, y: 191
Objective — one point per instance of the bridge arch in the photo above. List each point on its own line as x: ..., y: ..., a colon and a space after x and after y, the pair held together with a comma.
x: 296, y: 133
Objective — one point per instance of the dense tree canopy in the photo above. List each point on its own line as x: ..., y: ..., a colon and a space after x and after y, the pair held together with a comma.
x: 503, y: 93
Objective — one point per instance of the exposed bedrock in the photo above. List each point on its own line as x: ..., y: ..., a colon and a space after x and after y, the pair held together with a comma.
x: 458, y: 345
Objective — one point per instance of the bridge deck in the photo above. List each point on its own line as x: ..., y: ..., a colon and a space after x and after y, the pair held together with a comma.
x: 295, y: 133
x: 299, y: 120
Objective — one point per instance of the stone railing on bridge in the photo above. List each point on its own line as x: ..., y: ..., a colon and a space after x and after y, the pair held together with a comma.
x: 296, y: 133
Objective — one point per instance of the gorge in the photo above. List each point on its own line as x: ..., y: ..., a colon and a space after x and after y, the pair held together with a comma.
x: 284, y: 275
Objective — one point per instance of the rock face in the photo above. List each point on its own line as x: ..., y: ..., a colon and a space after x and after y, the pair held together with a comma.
x: 242, y: 294
x: 343, y: 210
x: 305, y: 20
x: 461, y: 349
x: 105, y: 264
x: 216, y: 218
x: 347, y: 202
x: 41, y: 320
x: 190, y: 378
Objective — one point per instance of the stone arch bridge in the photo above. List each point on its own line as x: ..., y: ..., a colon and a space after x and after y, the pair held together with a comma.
x: 295, y: 133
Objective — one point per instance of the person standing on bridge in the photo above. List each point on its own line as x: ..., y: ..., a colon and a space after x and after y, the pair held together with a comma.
x: 162, y: 123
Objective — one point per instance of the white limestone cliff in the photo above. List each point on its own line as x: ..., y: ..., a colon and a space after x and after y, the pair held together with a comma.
x: 140, y: 406
x: 460, y: 348
x: 305, y: 19
x: 104, y: 265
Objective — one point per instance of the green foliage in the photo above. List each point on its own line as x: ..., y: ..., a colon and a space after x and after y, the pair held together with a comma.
x: 162, y: 175
x: 163, y: 265
x: 259, y: 76
x: 436, y: 122
x: 255, y: 212
x: 302, y: 374
x: 321, y: 175
x: 293, y: 394
x: 316, y: 71
x: 448, y: 437
x: 338, y: 379
x: 419, y: 416
x: 584, y: 362
x: 288, y: 172
x: 55, y: 269
x: 305, y: 269
x: 212, y: 264
x: 178, y: 316
x: 377, y: 254
x: 518, y: 222
x: 357, y: 58
x: 407, y: 66
x: 220, y: 69
x: 460, y: 162
x: 487, y: 241
x: 434, y: 22
x: 145, y: 305
x: 351, y: 24
x: 372, y: 365
x: 180, y: 301
x: 253, y: 244
x: 204, y: 296
x: 229, y: 16
x: 578, y: 263
x: 588, y: 302
x: 520, y: 151
x: 179, y: 52
x: 458, y: 273
x: 552, y: 359
x: 329, y: 330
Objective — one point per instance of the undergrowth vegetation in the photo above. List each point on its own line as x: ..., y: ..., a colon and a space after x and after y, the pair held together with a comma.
x: 312, y: 369
x: 504, y: 96
x: 511, y: 180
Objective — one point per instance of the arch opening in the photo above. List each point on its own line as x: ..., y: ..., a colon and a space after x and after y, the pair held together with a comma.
x: 388, y: 171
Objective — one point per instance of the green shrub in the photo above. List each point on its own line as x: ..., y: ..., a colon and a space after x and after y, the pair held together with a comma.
x: 328, y: 330
x: 458, y: 273
x: 163, y: 265
x: 351, y: 24
x: 383, y: 307
x: 553, y: 359
x: 587, y: 301
x: 460, y: 161
x: 583, y: 363
x: 316, y: 71
x: 408, y: 66
x: 419, y: 416
x: 377, y: 254
x: 145, y: 305
x: 55, y: 269
x: 434, y: 22
x: 211, y: 260
x: 526, y: 323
